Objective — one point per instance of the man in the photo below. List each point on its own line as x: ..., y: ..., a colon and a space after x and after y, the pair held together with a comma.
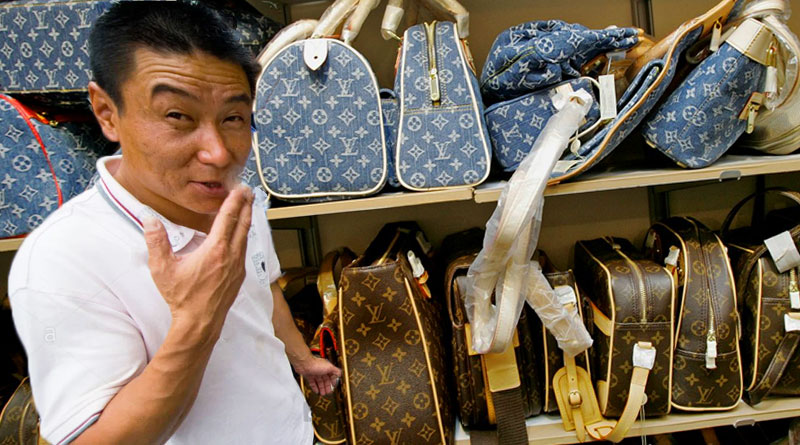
x: 145, y: 304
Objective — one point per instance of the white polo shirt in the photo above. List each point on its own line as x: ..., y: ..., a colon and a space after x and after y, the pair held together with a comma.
x: 91, y: 318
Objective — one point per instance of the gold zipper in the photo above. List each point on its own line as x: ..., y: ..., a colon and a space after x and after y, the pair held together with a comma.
x: 711, y: 337
x: 430, y: 32
x: 639, y: 278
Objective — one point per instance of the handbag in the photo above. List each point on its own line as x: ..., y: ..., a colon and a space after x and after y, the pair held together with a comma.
x: 515, y: 124
x: 441, y: 141
x: 493, y: 390
x: 718, y: 102
x: 327, y: 412
x: 317, y: 117
x: 768, y: 295
x: 19, y: 421
x: 47, y: 163
x: 777, y: 127
x: 630, y: 302
x: 300, y: 291
x: 707, y: 372
x: 391, y: 347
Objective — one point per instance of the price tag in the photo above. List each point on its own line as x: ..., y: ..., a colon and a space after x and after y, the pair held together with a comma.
x: 791, y: 322
x: 608, y: 97
x: 783, y: 251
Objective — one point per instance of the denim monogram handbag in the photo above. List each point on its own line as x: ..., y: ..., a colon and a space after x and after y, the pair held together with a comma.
x: 44, y: 44
x: 442, y: 140
x: 705, y: 115
x: 45, y: 164
x: 514, y: 125
x: 318, y: 123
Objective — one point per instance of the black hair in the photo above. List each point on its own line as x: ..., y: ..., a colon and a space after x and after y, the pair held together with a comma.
x: 162, y: 26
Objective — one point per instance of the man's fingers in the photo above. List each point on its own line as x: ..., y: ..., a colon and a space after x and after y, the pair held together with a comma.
x: 242, y: 227
x: 228, y: 217
x: 158, y: 247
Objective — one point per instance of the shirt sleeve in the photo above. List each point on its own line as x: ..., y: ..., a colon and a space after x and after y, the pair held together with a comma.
x: 81, y: 352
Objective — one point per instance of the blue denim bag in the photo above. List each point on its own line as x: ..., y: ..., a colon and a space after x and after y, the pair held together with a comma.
x: 44, y: 45
x: 534, y: 55
x: 319, y: 132
x: 442, y: 139
x: 705, y: 115
x: 515, y: 124
x: 390, y: 114
x: 642, y: 94
x: 45, y: 164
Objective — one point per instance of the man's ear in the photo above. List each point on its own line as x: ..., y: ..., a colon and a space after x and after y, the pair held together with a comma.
x: 105, y: 110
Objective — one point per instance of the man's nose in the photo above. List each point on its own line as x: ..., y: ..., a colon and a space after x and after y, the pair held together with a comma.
x: 212, y: 147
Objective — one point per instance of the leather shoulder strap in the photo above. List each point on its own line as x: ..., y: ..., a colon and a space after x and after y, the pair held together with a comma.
x: 776, y: 367
x: 326, y: 283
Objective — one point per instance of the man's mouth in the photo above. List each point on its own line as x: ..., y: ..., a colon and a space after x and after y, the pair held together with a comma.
x: 212, y: 185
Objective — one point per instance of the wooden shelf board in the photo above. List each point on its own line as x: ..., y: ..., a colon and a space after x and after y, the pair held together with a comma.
x: 547, y: 429
x: 729, y: 167
x: 7, y: 245
x: 382, y: 201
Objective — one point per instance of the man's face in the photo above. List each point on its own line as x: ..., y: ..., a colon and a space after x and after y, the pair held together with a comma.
x: 184, y: 133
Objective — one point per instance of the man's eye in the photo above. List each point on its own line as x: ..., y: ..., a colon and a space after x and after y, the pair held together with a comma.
x: 234, y: 119
x: 175, y: 115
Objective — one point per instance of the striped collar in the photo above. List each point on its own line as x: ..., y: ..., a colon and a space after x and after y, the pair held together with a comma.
x: 133, y: 211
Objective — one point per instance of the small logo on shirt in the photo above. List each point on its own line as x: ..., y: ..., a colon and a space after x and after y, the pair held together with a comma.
x: 260, y: 265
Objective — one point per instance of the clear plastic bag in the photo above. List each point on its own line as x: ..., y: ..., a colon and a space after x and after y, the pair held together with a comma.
x: 503, y: 266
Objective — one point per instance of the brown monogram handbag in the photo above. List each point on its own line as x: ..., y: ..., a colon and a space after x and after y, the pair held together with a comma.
x: 770, y: 303
x: 706, y: 367
x: 19, y: 421
x: 391, y: 344
x: 327, y: 412
x: 492, y: 389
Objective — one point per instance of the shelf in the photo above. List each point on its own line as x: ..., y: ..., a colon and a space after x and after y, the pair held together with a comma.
x: 382, y: 201
x: 728, y: 167
x: 548, y: 429
x: 7, y: 245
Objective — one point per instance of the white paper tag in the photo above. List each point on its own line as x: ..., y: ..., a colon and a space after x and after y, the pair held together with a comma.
x: 711, y: 354
x: 315, y: 51
x: 791, y: 323
x: 644, y: 357
x: 771, y: 82
x: 716, y: 37
x: 564, y: 166
x: 561, y: 96
x: 672, y: 256
x: 565, y: 295
x: 794, y: 296
x: 608, y: 97
x: 783, y: 251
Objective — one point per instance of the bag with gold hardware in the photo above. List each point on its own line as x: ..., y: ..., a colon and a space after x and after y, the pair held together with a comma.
x: 492, y: 389
x: 628, y: 308
x: 442, y: 139
x: 767, y: 288
x: 327, y: 412
x: 390, y: 342
x: 19, y: 421
x: 299, y: 287
x: 706, y: 367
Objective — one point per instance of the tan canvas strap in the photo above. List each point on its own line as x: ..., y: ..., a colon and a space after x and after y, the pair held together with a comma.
x: 326, y: 283
x: 443, y: 8
x: 777, y: 366
x: 299, y: 30
x: 753, y: 39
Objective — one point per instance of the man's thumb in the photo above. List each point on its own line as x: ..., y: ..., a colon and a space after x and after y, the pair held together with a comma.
x: 158, y: 246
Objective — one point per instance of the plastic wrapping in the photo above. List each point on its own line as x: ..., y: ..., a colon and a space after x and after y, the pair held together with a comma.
x: 391, y: 19
x: 503, y: 264
x: 298, y: 30
x: 333, y: 17
x: 353, y: 24
x: 452, y: 8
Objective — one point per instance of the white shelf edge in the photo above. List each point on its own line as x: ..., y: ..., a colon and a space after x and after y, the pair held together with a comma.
x: 547, y: 429
x: 382, y: 201
x: 729, y: 167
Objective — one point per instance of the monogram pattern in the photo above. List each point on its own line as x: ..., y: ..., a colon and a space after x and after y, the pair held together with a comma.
x: 700, y: 120
x: 444, y: 143
x: 705, y: 288
x: 19, y: 423
x: 319, y: 133
x: 33, y: 175
x: 390, y: 114
x: 459, y: 250
x: 394, y: 361
x: 537, y: 54
x: 639, y: 98
x: 641, y: 300
x: 514, y: 125
x: 45, y: 45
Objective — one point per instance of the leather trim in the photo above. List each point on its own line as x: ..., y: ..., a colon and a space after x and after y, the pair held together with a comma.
x: 752, y: 38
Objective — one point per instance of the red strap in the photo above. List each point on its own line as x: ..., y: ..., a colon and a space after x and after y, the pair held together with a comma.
x: 26, y: 114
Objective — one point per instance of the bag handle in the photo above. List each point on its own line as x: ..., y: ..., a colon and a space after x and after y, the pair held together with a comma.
x: 773, y: 191
x: 326, y: 283
x: 333, y: 16
x: 449, y: 8
x: 777, y: 367
x: 356, y: 20
x: 299, y: 30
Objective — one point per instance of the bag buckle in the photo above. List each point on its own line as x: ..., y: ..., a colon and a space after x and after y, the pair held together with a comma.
x: 575, y: 399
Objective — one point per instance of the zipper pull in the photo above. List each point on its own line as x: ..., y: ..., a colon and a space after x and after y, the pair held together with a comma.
x: 716, y: 36
x: 750, y: 110
x: 430, y: 31
x: 419, y: 272
x: 771, y: 82
x: 711, y: 349
x: 794, y: 289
